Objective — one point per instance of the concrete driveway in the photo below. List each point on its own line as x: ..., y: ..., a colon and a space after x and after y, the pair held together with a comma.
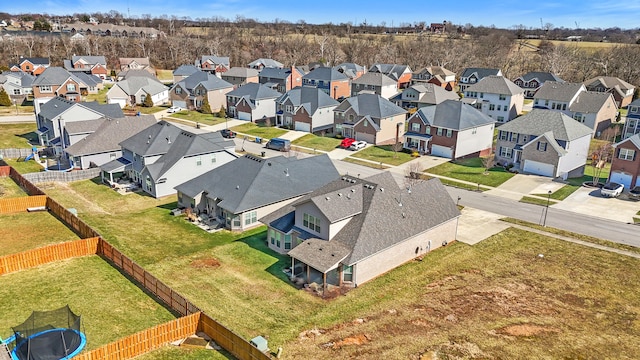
x: 589, y: 202
x: 476, y: 225
x: 524, y: 184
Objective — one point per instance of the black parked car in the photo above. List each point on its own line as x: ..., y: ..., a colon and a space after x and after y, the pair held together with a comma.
x: 228, y: 133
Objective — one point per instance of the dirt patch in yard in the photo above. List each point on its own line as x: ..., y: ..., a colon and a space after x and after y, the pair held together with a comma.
x: 209, y: 263
x: 526, y: 330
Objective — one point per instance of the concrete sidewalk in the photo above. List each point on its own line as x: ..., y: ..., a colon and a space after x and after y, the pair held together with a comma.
x: 14, y: 119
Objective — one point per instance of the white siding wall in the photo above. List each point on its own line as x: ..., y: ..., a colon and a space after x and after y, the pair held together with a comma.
x: 577, y: 156
x: 389, y: 91
x: 265, y: 107
x: 98, y: 159
x: 322, y: 117
x: 266, y: 210
x: 469, y: 143
x: 337, y: 226
x: 311, y: 209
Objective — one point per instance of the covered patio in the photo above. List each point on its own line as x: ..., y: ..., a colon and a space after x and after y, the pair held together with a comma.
x: 319, y: 262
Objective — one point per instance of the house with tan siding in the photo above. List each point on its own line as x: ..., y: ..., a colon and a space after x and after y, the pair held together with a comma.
x: 190, y: 92
x: 306, y: 109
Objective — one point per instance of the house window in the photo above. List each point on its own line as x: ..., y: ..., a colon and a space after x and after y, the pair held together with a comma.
x: 278, y: 239
x: 579, y: 117
x: 427, y: 130
x: 626, y: 154
x: 213, y: 158
x: 347, y: 273
x: 71, y: 87
x: 198, y: 160
x: 564, y: 106
x: 449, y: 133
x: 350, y: 117
x: 633, y: 109
x: 311, y: 222
x: 272, y: 236
x: 542, y: 146
x: 45, y: 88
x: 288, y: 108
x: 178, y: 90
x: 16, y: 91
x: 366, y: 123
x: 481, y: 95
x: 236, y: 221
x: 439, y: 132
x: 474, y: 131
x: 415, y: 127
x: 504, y: 135
x: 492, y: 107
x: 112, y: 156
x: 287, y: 241
x: 505, y: 152
x: 148, y: 182
x: 503, y: 97
x: 500, y: 118
x: 250, y: 217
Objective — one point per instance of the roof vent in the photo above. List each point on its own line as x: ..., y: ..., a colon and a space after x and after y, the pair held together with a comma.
x: 404, y: 215
x: 168, y: 139
x: 382, y: 189
x: 353, y: 190
x: 327, y: 198
x: 286, y: 172
x: 340, y: 194
x: 237, y: 187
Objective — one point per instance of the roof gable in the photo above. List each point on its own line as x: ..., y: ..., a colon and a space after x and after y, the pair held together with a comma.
x: 539, y: 121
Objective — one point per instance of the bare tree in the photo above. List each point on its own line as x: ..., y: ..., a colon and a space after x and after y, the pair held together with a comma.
x: 488, y: 162
x: 413, y: 174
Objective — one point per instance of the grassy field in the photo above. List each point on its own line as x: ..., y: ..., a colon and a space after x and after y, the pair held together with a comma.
x: 25, y: 231
x: 317, y: 142
x: 206, y: 119
x: 536, y: 201
x: 9, y: 188
x: 365, y: 163
x: 17, y: 135
x: 24, y: 167
x: 164, y: 75
x: 11, y: 110
x: 588, y: 175
x: 383, y: 154
x: 100, y: 97
x: 563, y: 192
x: 252, y: 129
x: 110, y: 305
x: 473, y: 171
x: 584, y: 45
x: 496, y: 299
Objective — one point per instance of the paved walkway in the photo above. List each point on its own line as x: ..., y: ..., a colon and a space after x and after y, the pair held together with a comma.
x: 11, y: 119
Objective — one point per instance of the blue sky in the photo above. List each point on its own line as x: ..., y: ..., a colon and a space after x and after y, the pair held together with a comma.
x: 505, y: 14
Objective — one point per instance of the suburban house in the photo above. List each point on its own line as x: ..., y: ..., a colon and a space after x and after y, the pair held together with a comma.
x: 58, y: 112
x: 32, y: 66
x: 126, y: 74
x: 190, y: 92
x: 544, y: 142
x: 279, y: 79
x: 352, y: 70
x: 92, y: 65
x: 242, y: 191
x: 632, y: 124
x: 370, y: 118
x: 622, y: 91
x: 17, y: 84
x: 451, y: 129
x: 497, y: 97
x: 238, y: 76
x: 126, y: 64
x: 101, y: 145
x: 134, y: 90
x: 353, y: 230
x: 400, y: 73
x: 331, y: 81
x: 58, y: 82
x: 435, y: 75
x: 252, y: 102
x: 164, y: 155
x: 625, y: 166
x: 213, y: 64
x: 596, y: 110
x: 471, y: 76
x: 420, y: 95
x: 182, y: 72
x: 532, y: 81
x: 306, y: 109
x: 375, y: 83
x: 261, y: 63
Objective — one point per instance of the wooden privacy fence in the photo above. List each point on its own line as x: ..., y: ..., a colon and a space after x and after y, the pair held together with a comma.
x: 146, y: 340
x: 47, y: 254
x: 24, y: 183
x: 5, y: 170
x: 21, y: 204
x: 71, y: 220
x: 229, y: 340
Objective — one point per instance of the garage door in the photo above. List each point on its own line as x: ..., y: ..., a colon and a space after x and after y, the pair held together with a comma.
x: 120, y: 102
x: 180, y: 103
x: 442, y: 151
x: 300, y: 126
x: 365, y: 137
x: 621, y: 178
x: 538, y: 168
x: 244, y: 115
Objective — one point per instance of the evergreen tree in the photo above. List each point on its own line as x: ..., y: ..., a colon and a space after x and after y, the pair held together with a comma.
x: 147, y: 101
x: 4, y: 98
x: 222, y: 113
x: 205, y: 107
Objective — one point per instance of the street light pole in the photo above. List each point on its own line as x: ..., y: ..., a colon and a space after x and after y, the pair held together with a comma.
x: 544, y: 222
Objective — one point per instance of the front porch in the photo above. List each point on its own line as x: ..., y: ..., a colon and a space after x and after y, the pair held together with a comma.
x: 417, y: 141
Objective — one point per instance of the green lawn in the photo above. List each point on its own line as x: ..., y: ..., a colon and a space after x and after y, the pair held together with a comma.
x: 150, y: 110
x: 536, y: 201
x: 473, y: 171
x: 26, y: 231
x: 564, y: 191
x: 383, y: 154
x: 266, y: 132
x: 317, y: 142
x: 196, y: 116
x: 24, y: 167
x: 100, y: 97
x: 11, y: 110
x: 9, y: 188
x: 164, y: 75
x: 588, y: 175
x: 110, y: 305
x: 18, y: 135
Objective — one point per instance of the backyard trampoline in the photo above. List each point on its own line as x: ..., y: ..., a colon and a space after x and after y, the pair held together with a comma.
x: 47, y: 335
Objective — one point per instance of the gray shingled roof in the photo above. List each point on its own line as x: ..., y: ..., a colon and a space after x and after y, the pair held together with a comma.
x: 393, y: 71
x: 371, y: 104
x: 540, y: 121
x: 493, y: 84
x: 52, y: 76
x: 219, y: 60
x: 208, y: 80
x: 610, y: 82
x: 558, y: 91
x: 241, y: 72
x: 311, y: 98
x: 24, y: 78
x: 185, y: 70
x: 126, y: 74
x: 375, y: 79
x: 541, y: 76
x: 89, y: 59
x: 55, y: 107
x: 436, y: 70
x: 591, y: 102
x: 480, y: 72
x: 133, y: 84
x: 378, y: 222
x: 248, y: 182
x: 35, y: 60
x: 429, y: 94
x: 84, y: 126
x: 275, y: 73
x: 154, y: 140
x: 87, y: 79
x: 550, y: 140
x: 109, y: 134
x: 325, y: 74
x: 635, y: 102
x: 109, y: 110
x: 453, y: 114
x: 349, y: 69
x: 187, y: 144
x: 254, y: 91
x: 267, y: 63
x: 635, y: 140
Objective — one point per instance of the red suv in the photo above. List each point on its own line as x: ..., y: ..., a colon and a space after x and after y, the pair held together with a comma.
x: 346, y: 142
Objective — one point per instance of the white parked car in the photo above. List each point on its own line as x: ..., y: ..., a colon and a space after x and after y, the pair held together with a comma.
x: 611, y: 189
x: 174, y: 109
x: 357, y: 145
